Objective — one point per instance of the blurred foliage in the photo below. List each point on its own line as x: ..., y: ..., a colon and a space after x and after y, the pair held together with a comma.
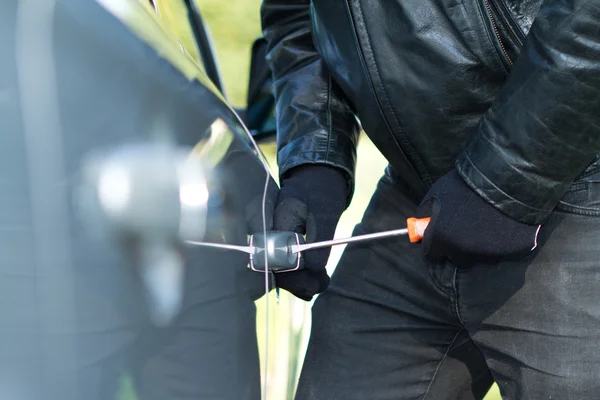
x: 233, y: 24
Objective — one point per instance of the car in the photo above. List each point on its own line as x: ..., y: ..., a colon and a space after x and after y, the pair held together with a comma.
x: 121, y: 161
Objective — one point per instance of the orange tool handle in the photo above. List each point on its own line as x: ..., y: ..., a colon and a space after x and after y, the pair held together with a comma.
x: 416, y: 228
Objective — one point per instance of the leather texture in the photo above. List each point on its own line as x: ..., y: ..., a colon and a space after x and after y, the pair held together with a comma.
x: 506, y: 91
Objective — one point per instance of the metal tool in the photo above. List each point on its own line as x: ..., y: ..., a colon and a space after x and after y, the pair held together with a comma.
x: 278, y: 245
x: 335, y: 242
x: 284, y: 249
x: 415, y: 230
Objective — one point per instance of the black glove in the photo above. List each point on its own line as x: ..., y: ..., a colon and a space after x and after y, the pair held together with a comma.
x: 311, y: 200
x: 468, y: 230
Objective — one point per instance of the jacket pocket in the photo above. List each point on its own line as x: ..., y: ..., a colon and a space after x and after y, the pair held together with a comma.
x: 583, y: 197
x: 506, y: 34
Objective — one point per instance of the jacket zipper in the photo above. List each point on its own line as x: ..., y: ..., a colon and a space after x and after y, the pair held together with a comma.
x: 493, y: 20
x: 506, y: 23
x: 511, y: 25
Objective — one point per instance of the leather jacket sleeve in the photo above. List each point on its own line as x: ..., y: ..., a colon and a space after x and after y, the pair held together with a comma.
x: 544, y: 128
x: 315, y: 124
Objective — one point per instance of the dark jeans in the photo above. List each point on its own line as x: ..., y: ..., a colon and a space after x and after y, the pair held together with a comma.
x: 393, y: 326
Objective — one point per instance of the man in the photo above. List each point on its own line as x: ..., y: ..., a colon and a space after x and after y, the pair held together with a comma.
x: 487, y: 112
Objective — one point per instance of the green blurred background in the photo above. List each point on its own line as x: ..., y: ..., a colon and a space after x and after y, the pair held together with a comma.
x: 234, y: 25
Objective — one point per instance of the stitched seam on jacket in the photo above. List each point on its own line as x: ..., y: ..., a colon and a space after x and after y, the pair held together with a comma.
x: 457, y: 299
x: 441, y: 362
x: 478, y: 190
x: 369, y: 78
x: 329, y: 127
x: 297, y: 160
x: 414, y: 157
x: 488, y: 140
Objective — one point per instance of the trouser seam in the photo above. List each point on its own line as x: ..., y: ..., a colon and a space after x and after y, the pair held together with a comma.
x: 437, y: 283
x: 456, y: 301
x: 441, y: 362
x: 462, y: 322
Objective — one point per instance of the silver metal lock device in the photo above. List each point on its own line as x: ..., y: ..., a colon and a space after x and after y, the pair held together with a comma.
x: 278, y: 248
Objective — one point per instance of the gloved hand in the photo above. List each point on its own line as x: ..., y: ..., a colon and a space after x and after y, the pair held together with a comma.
x: 467, y: 230
x: 311, y: 200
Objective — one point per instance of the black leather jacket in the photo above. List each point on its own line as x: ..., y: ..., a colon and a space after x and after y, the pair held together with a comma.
x: 508, y: 91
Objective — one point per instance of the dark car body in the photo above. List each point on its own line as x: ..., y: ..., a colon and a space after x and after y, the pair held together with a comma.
x: 79, y: 77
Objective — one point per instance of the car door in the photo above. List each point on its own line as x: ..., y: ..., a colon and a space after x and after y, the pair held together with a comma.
x: 119, y: 154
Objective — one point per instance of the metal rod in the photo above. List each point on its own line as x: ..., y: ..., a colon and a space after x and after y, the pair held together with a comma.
x: 296, y: 248
x: 244, y: 249
x: 371, y: 236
